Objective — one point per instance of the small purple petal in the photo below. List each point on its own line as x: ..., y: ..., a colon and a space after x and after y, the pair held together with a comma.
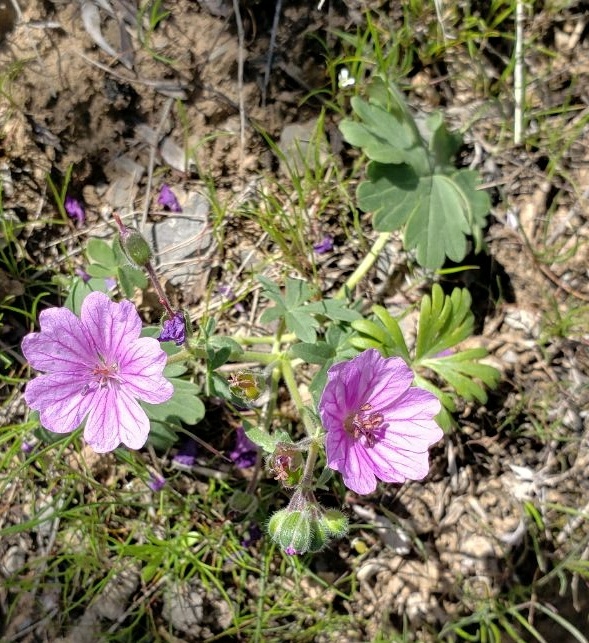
x: 291, y: 551
x: 325, y: 245
x: 167, y: 199
x: 110, y: 283
x: 84, y: 276
x: 446, y: 353
x: 156, y: 482
x: 186, y: 456
x: 75, y: 209
x: 244, y: 452
x: 27, y: 447
x: 226, y: 291
x: 174, y: 330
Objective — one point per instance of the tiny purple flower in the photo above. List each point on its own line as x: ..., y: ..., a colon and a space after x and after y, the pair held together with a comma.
x: 167, y: 199
x: 291, y: 551
x: 74, y: 209
x: 228, y: 293
x: 156, y: 482
x: 27, y: 447
x: 174, y: 330
x: 110, y: 283
x: 323, y: 246
x: 245, y: 451
x: 186, y: 456
x: 96, y: 368
x: 377, y: 424
x: 84, y: 276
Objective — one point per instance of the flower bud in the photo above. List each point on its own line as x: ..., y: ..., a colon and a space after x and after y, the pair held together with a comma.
x: 246, y: 385
x: 136, y: 247
x: 291, y: 530
x: 133, y: 243
x: 319, y: 536
x: 335, y: 522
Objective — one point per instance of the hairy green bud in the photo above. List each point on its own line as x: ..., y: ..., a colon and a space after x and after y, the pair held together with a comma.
x: 291, y: 531
x: 335, y: 522
x: 136, y: 247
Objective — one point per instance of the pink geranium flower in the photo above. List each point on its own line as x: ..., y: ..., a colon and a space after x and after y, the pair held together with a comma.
x: 377, y: 424
x: 96, y: 368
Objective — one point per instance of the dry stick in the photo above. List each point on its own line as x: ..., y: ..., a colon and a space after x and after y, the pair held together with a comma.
x: 240, y: 62
x: 268, y: 68
x: 518, y: 73
x: 16, y: 9
x: 152, y: 151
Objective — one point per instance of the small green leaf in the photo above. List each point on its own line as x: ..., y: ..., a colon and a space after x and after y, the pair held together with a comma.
x: 335, y: 309
x: 219, y: 357
x: 162, y: 435
x: 99, y: 271
x: 302, y: 325
x: 131, y: 278
x: 184, y: 405
x: 99, y: 251
x: 313, y: 353
x: 263, y: 439
x: 296, y: 293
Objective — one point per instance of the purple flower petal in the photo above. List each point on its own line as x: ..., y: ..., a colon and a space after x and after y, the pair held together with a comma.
x: 84, y: 276
x: 244, y: 452
x: 186, y: 456
x: 96, y: 368
x: 325, y: 245
x: 74, y: 209
x: 174, y: 330
x: 167, y: 199
x: 156, y: 482
x: 110, y: 283
x: 377, y: 425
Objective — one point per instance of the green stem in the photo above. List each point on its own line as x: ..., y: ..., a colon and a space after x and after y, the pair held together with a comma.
x: 245, y: 356
x: 266, y: 339
x: 306, y: 482
x: 356, y: 277
x: 293, y: 389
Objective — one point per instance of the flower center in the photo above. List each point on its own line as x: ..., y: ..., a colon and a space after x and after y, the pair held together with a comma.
x: 102, y: 375
x: 363, y: 423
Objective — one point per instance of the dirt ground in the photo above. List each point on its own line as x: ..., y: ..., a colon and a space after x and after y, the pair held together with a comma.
x: 68, y: 102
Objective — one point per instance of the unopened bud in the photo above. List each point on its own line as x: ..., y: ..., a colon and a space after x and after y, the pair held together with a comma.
x: 335, y: 522
x: 291, y: 530
x: 246, y: 385
x: 136, y: 248
x: 133, y: 244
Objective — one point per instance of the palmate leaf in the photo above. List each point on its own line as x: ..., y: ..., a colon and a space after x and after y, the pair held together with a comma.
x: 384, y: 136
x: 444, y: 321
x: 438, y: 210
x: 462, y: 370
x: 300, y: 316
x: 384, y: 333
x: 411, y: 181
